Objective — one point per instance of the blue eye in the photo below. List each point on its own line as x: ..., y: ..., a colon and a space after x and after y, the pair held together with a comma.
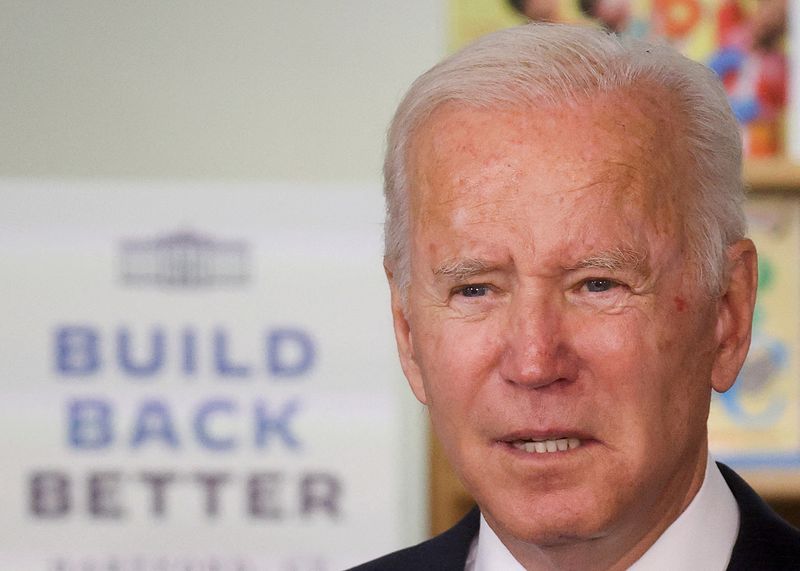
x: 599, y: 285
x: 474, y: 290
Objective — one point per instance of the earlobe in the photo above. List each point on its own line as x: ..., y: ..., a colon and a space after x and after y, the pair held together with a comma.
x: 735, y: 314
x: 403, y: 337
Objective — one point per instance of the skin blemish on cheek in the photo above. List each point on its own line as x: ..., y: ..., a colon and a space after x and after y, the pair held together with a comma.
x: 680, y: 304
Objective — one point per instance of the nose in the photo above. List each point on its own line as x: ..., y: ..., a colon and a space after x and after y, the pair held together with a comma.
x: 537, y: 347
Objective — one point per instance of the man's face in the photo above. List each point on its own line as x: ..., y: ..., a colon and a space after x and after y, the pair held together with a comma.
x: 551, y: 304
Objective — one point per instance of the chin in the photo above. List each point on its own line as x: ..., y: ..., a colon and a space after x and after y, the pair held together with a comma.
x: 557, y: 519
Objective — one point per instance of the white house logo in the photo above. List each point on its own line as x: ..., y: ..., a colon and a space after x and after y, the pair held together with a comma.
x: 184, y: 259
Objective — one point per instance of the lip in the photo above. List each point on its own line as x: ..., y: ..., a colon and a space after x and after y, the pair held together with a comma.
x: 507, y: 440
x: 548, y: 434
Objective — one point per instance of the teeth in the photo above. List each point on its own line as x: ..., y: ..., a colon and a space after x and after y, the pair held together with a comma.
x: 546, y: 446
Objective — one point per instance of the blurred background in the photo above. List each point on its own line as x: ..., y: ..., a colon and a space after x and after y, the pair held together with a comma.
x: 198, y: 368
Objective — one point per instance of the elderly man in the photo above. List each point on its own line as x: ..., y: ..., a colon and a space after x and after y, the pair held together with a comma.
x: 570, y: 280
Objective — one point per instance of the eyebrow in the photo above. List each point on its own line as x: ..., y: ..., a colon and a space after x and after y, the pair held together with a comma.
x: 614, y: 260
x: 462, y: 268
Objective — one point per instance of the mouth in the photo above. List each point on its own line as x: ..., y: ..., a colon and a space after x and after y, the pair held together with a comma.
x: 546, y: 446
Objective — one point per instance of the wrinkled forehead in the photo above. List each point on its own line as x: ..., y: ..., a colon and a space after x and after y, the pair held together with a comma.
x: 623, y: 144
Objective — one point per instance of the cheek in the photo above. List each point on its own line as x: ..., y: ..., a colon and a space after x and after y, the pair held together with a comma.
x: 646, y: 375
x: 609, y: 347
x: 622, y: 363
x: 456, y: 359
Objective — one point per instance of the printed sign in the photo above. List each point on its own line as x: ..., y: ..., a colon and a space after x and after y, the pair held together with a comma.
x: 198, y: 377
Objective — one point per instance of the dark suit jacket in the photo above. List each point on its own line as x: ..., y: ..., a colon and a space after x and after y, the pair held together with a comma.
x: 765, y: 542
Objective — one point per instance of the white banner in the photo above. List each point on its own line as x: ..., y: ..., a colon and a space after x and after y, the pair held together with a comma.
x: 198, y: 376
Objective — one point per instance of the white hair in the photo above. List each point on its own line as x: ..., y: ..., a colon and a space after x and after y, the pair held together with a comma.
x: 554, y: 65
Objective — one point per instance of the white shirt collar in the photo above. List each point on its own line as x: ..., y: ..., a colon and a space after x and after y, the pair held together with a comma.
x: 487, y: 552
x: 702, y: 537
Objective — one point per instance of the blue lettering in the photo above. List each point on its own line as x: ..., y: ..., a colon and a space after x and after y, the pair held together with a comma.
x: 154, y: 423
x: 149, y: 366
x: 266, y: 425
x: 189, y: 351
x: 222, y: 361
x: 76, y: 350
x: 290, y: 352
x: 202, y: 420
x: 89, y: 424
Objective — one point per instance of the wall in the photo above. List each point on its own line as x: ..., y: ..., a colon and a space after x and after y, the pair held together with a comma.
x: 167, y: 99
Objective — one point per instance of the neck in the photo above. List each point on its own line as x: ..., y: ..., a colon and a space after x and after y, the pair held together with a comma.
x: 618, y: 547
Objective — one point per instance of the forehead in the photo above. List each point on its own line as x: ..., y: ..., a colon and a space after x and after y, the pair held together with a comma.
x: 620, y: 146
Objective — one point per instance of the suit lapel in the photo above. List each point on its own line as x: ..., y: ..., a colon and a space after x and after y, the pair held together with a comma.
x: 765, y: 542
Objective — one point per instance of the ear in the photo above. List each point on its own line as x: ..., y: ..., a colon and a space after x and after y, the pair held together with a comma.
x: 404, y: 338
x: 735, y: 314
